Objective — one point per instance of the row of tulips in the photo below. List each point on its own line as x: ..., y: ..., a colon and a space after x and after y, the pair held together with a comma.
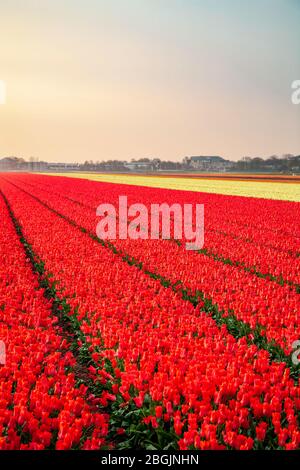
x: 41, y: 405
x: 189, y: 383
x: 264, y: 305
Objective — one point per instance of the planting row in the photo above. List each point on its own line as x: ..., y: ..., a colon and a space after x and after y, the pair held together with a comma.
x: 41, y: 406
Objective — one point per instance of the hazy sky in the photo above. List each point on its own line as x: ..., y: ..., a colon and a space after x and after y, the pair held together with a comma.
x: 95, y: 79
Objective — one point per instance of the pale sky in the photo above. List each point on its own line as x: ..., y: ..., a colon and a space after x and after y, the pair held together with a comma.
x: 95, y: 79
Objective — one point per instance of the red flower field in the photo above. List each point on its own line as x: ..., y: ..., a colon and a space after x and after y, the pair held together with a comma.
x: 141, y: 344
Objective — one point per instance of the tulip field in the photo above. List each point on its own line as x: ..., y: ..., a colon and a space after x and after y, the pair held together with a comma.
x: 141, y: 344
x: 273, y: 189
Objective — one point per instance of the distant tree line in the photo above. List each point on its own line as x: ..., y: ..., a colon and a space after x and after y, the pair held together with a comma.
x: 284, y: 164
x: 288, y: 164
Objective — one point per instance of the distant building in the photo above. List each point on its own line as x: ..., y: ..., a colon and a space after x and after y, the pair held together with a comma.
x: 139, y: 166
x: 62, y: 166
x: 12, y: 164
x: 209, y: 163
